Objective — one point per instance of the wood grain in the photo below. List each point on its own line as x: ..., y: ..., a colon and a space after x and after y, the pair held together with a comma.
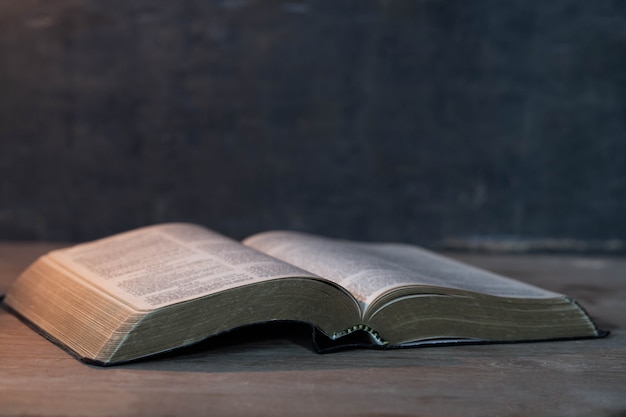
x: 272, y: 371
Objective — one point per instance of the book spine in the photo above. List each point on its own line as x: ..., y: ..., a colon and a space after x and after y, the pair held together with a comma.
x: 376, y: 338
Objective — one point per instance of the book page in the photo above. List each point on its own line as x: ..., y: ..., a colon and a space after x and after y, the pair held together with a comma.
x: 368, y: 270
x: 166, y: 264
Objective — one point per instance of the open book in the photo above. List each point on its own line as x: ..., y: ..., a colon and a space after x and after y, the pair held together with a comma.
x: 161, y: 287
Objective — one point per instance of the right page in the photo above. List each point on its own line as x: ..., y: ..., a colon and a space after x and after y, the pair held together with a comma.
x: 369, y: 270
x: 410, y: 296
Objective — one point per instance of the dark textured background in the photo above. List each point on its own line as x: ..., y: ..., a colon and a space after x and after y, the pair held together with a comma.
x: 416, y: 120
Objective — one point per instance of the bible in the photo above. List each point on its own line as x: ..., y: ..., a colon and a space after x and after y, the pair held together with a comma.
x: 162, y: 287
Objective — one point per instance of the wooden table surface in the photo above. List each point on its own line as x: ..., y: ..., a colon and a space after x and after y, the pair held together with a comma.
x: 276, y: 375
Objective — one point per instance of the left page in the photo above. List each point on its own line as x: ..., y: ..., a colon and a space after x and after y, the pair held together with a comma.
x: 165, y: 264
